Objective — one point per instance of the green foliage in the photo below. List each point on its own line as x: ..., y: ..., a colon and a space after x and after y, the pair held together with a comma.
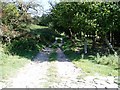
x: 89, y: 18
x: 30, y: 44
x: 9, y: 64
x: 86, y: 16
x: 43, y: 20
x: 53, y: 56
x: 26, y: 47
x: 11, y: 17
x: 10, y: 14
x: 111, y: 60
x: 45, y: 35
x: 16, y: 19
x: 92, y: 64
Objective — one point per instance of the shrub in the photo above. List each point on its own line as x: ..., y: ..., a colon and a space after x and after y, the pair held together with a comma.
x: 23, y: 47
x: 111, y: 60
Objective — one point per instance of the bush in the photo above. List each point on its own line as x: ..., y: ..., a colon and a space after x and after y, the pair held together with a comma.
x: 111, y: 60
x: 27, y: 47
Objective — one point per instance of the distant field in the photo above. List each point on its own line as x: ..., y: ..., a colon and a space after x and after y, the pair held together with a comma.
x: 32, y: 26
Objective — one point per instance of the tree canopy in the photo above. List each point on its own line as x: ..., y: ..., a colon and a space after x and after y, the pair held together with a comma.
x: 93, y: 18
x: 16, y: 17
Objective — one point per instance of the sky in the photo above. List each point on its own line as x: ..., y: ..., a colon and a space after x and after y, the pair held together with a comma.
x: 45, y: 4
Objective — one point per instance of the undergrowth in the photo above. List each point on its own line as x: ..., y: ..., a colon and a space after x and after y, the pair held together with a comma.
x: 111, y: 60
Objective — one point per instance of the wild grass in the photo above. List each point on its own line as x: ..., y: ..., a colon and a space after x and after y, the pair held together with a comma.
x: 92, y: 65
x: 93, y: 62
x: 52, y: 75
x: 33, y: 26
x: 53, y: 56
x: 92, y: 69
x: 9, y: 64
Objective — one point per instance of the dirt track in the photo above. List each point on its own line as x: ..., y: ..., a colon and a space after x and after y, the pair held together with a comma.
x: 58, y: 74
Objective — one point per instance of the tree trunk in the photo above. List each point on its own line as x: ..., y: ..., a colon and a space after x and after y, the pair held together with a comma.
x: 110, y: 37
x: 71, y: 36
x: 109, y: 44
x: 113, y: 39
x: 94, y: 42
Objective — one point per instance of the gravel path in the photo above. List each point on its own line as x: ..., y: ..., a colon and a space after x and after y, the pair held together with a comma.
x: 69, y: 76
x: 30, y: 76
x: 58, y: 74
x: 33, y: 75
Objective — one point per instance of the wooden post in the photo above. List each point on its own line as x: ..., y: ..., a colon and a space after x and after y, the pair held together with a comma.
x: 85, y: 45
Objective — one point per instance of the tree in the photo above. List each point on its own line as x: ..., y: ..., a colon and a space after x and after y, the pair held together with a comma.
x: 16, y: 18
x: 91, y: 18
x: 107, y: 21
